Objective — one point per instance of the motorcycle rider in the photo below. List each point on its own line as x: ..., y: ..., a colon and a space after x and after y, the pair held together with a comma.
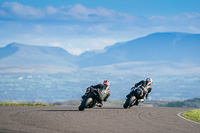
x: 146, y: 87
x: 103, y: 91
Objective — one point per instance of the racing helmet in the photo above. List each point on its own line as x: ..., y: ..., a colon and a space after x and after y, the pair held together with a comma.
x: 106, y: 82
x: 149, y: 80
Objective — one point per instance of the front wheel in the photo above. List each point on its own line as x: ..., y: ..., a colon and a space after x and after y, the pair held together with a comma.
x: 85, y: 103
x: 129, y: 101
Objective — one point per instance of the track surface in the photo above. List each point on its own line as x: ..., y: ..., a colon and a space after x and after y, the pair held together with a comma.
x: 96, y: 120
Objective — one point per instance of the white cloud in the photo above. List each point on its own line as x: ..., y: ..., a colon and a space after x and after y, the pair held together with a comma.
x: 72, y: 12
x: 51, y: 10
x: 192, y: 15
x: 16, y: 10
x: 83, y: 44
x: 78, y: 28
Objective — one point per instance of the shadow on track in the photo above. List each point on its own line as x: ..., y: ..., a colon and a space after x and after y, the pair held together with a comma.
x: 11, y: 131
x: 58, y: 110
x: 108, y: 108
x: 96, y: 108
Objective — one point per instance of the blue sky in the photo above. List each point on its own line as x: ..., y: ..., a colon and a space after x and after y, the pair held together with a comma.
x: 82, y: 25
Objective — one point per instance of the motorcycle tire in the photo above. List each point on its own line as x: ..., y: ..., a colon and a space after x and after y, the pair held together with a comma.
x: 85, y: 103
x: 92, y: 105
x: 129, y: 101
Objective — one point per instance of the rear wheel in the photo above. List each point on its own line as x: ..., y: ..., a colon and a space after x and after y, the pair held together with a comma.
x: 85, y: 103
x: 129, y: 101
x: 92, y: 104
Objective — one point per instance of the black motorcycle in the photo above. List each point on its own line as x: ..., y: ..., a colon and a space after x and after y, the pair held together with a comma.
x: 134, y: 97
x: 90, y: 99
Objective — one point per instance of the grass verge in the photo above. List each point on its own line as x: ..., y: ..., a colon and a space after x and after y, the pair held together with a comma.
x: 192, y: 115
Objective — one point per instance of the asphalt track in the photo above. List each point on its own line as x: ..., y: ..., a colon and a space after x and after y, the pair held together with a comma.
x: 14, y: 119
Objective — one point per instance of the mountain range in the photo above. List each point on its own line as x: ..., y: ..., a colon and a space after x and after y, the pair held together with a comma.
x: 17, y: 57
x: 158, y: 47
x: 176, y: 47
x: 42, y: 73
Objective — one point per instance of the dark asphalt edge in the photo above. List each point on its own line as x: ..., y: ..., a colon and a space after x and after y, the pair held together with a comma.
x: 179, y: 115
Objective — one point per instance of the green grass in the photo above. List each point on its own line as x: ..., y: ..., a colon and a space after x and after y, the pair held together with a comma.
x: 192, y: 115
x: 25, y: 104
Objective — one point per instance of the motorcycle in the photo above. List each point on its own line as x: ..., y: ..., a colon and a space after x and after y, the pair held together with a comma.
x: 90, y: 99
x: 134, y: 97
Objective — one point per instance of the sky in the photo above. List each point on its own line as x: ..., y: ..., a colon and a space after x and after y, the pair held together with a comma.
x: 84, y: 25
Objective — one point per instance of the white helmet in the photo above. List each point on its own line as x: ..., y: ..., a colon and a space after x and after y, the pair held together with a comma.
x: 149, y: 80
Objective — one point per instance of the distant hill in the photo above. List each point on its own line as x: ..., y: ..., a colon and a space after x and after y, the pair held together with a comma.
x: 160, y: 49
x: 172, y: 46
x: 38, y: 73
x: 15, y: 57
x: 191, y: 103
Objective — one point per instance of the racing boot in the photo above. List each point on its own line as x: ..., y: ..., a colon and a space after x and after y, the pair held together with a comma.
x: 141, y: 100
x: 106, y: 98
x: 99, y: 104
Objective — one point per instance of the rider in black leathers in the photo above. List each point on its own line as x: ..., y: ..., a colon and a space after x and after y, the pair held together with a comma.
x: 103, y: 91
x: 146, y: 87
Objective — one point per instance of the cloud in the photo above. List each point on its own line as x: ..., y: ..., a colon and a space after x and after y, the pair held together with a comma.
x: 193, y: 15
x: 16, y: 10
x: 99, y: 15
x: 80, y: 12
x: 51, y: 10
x: 78, y: 28
x: 83, y: 44
x: 71, y: 12
x: 184, y: 18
